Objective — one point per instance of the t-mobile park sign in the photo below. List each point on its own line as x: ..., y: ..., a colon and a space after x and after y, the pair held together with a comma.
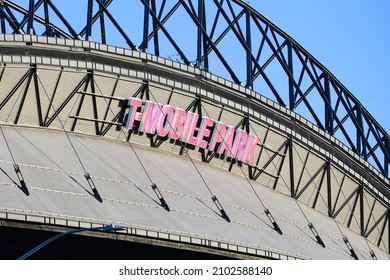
x: 178, y: 124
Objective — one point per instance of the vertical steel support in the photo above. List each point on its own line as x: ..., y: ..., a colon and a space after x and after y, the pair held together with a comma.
x: 2, y: 19
x: 94, y: 103
x: 38, y: 96
x: 249, y: 79
x: 102, y: 26
x: 49, y: 30
x: 290, y: 76
x: 360, y: 137
x: 386, y: 141
x: 358, y: 134
x: 361, y: 205
x: 329, y: 187
x: 88, y: 34
x: 155, y: 31
x: 144, y: 46
x: 328, y: 106
x: 200, y: 35
x: 291, y: 160
x: 201, y: 59
x: 30, y: 27
x: 205, y: 59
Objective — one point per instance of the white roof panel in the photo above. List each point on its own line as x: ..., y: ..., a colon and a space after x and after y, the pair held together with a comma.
x: 55, y: 179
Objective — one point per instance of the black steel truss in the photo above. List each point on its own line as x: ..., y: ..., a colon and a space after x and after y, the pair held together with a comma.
x: 308, y: 89
x: 284, y: 166
x: 267, y: 55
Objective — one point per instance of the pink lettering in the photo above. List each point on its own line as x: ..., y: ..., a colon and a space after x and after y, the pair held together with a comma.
x: 191, y: 139
x: 187, y: 126
x: 250, y: 149
x: 227, y: 142
x: 204, y: 132
x: 178, y: 124
x: 152, y: 112
x: 134, y: 103
x: 240, y: 141
x: 165, y: 121
x: 217, y: 136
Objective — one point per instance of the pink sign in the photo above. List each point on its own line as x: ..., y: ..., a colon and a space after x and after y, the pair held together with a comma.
x: 178, y: 124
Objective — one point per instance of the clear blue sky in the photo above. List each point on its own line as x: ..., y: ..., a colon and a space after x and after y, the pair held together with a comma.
x: 349, y: 37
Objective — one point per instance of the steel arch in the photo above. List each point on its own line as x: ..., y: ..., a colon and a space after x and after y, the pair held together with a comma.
x: 269, y: 55
x: 89, y: 93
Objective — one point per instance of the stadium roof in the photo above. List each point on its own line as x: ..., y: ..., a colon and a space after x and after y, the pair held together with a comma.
x: 58, y: 190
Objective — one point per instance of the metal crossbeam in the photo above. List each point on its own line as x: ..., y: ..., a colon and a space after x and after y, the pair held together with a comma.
x: 270, y: 61
x: 274, y: 47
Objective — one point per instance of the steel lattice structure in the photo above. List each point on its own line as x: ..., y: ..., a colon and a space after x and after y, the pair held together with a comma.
x: 350, y: 148
x: 262, y: 47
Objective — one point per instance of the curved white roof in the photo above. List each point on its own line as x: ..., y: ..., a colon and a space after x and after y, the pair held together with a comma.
x: 54, y: 174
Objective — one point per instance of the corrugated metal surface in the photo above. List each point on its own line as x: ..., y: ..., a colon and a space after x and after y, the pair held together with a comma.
x: 57, y: 186
x: 327, y: 176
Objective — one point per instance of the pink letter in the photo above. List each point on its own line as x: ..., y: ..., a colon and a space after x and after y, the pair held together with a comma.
x: 178, y: 124
x: 239, y: 144
x: 134, y: 103
x: 227, y: 142
x: 204, y: 132
x: 217, y: 136
x: 187, y: 126
x: 250, y: 149
x: 165, y: 121
x: 191, y: 130
x: 152, y: 113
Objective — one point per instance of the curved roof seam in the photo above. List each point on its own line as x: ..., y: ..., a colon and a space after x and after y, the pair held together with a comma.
x: 97, y: 61
x: 78, y: 174
x: 334, y: 140
x: 198, y: 215
x: 176, y: 210
x: 168, y: 231
x: 130, y: 183
x: 29, y: 165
